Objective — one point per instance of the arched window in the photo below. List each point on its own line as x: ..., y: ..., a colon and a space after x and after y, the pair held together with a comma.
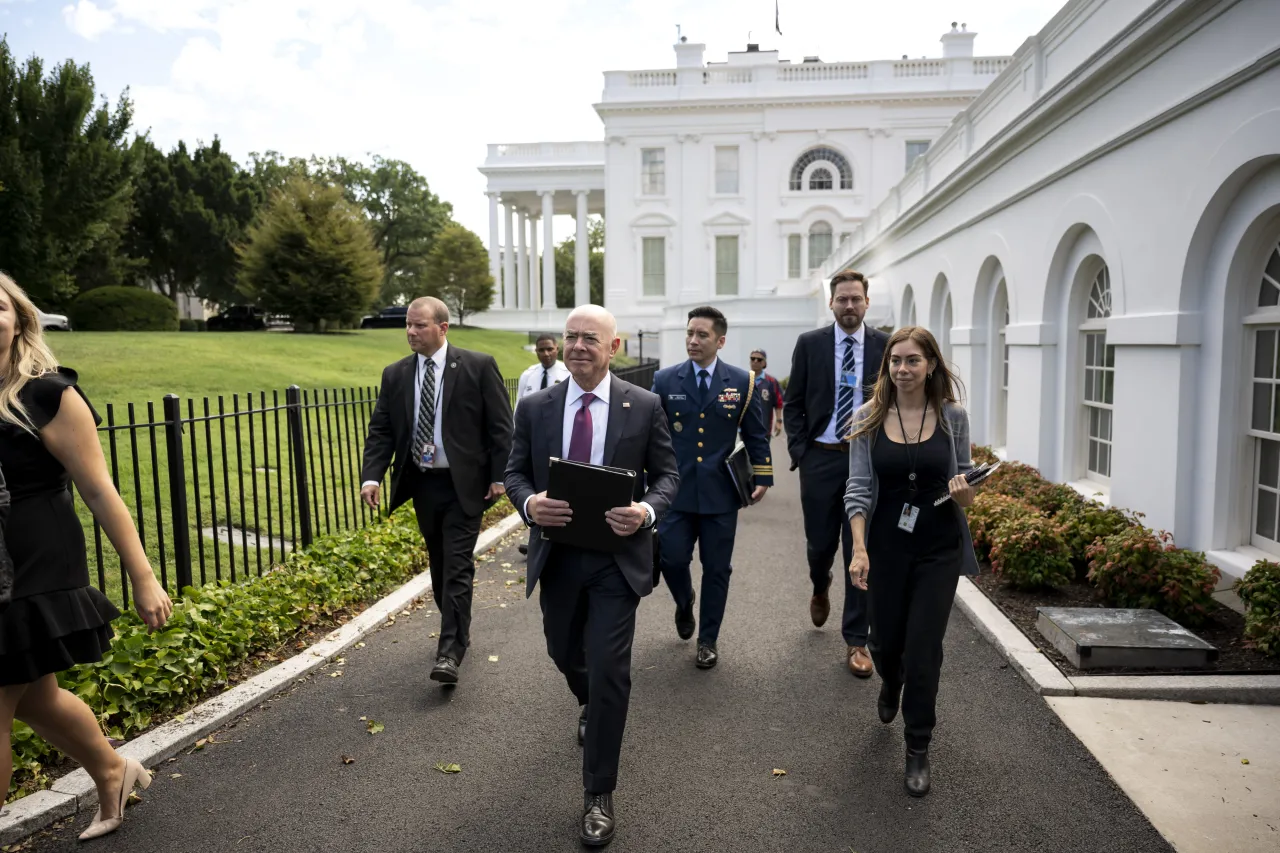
x: 819, y: 243
x: 1002, y: 394
x: 820, y: 179
x: 1099, y: 378
x: 944, y: 334
x: 838, y: 164
x: 1264, y: 416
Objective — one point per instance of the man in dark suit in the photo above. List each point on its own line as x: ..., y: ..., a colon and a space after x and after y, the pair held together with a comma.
x: 444, y: 417
x: 589, y: 598
x: 833, y: 370
x: 707, y: 403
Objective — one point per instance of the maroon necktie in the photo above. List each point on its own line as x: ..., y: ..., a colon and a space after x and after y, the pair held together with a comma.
x: 580, y: 438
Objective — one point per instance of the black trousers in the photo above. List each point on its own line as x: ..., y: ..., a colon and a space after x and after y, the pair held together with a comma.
x: 589, y: 618
x: 910, y: 597
x: 715, y: 535
x: 450, y: 535
x: 823, y: 477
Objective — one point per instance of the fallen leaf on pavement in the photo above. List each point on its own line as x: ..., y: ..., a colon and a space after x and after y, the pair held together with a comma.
x: 777, y: 772
x: 335, y: 674
x: 175, y: 776
x: 347, y: 759
x: 448, y: 768
x: 363, y: 719
x: 493, y: 658
x: 404, y: 612
x: 506, y: 565
x: 503, y: 604
x: 359, y: 645
x: 1244, y: 761
x: 374, y: 727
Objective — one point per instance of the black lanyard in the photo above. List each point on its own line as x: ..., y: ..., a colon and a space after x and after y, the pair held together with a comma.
x: 912, y: 454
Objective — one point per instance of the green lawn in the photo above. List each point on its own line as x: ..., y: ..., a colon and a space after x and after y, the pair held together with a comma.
x: 140, y: 368
x: 134, y: 367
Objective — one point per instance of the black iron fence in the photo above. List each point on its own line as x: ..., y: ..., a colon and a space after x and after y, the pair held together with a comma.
x: 225, y: 487
x: 638, y: 374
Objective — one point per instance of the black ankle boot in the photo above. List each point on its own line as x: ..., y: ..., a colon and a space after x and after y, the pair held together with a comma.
x: 917, y: 778
x: 887, y: 704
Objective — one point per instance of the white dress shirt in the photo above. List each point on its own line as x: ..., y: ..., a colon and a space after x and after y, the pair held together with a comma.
x: 599, y: 426
x: 531, y: 379
x: 711, y: 372
x: 829, y: 435
x: 419, y: 371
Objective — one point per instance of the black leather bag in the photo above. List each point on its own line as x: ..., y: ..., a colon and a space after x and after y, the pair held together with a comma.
x: 739, y: 462
x: 6, y: 562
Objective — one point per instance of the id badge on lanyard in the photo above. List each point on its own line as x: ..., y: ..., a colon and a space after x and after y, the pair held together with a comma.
x: 907, y: 521
x: 428, y: 458
x: 910, y: 512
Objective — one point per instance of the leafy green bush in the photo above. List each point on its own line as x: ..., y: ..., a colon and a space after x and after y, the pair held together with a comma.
x: 123, y: 309
x: 987, y: 512
x: 1259, y: 589
x: 1028, y: 552
x: 1053, y: 498
x: 217, y: 627
x: 1014, y: 479
x: 982, y: 455
x: 1086, y: 522
x: 1142, y: 568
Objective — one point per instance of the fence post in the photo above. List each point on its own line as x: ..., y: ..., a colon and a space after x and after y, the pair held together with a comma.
x: 293, y: 409
x: 177, y: 491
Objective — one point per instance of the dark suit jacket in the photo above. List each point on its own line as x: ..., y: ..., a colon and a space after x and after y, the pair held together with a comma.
x: 704, y: 436
x: 636, y: 438
x: 475, y: 420
x: 810, y: 400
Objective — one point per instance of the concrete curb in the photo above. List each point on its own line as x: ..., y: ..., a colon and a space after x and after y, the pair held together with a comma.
x: 76, y: 792
x: 1047, y: 680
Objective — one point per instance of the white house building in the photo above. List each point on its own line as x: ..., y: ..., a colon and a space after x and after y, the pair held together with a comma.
x: 1092, y: 232
x: 726, y: 182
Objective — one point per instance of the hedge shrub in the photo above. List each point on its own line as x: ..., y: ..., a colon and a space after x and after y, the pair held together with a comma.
x: 1259, y: 589
x: 1142, y: 568
x: 1085, y: 523
x: 987, y: 512
x: 217, y: 627
x: 1014, y: 479
x: 123, y: 309
x: 1028, y: 552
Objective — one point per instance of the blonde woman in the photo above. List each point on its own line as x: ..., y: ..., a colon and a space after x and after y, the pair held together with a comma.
x: 910, y: 446
x: 55, y: 619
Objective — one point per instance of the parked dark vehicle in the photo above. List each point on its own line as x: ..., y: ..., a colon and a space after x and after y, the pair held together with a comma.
x: 391, y: 317
x: 238, y: 318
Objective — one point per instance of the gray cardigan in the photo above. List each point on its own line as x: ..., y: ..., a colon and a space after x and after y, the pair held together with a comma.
x: 863, y: 488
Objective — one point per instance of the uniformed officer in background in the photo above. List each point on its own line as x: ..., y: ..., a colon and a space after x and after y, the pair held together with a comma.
x: 770, y: 391
x: 707, y: 403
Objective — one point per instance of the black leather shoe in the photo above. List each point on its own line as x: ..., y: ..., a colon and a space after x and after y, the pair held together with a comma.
x: 887, y: 704
x: 597, y: 819
x: 582, y: 726
x: 917, y: 778
x: 685, y: 623
x: 707, y: 656
x: 445, y: 671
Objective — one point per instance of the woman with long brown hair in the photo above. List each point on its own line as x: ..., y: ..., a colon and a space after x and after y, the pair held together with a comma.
x: 54, y: 618
x: 909, y: 447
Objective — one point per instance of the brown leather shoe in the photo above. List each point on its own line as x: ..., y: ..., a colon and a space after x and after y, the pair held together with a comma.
x: 820, y: 605
x: 860, y: 662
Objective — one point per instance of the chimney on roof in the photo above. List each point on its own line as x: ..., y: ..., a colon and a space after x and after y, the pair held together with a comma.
x: 689, y: 55
x: 958, y: 42
x: 753, y: 48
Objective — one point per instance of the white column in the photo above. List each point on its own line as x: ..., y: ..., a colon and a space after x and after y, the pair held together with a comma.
x: 534, y: 275
x: 494, y: 251
x: 548, y: 251
x: 581, y: 255
x: 522, y: 270
x: 509, y: 261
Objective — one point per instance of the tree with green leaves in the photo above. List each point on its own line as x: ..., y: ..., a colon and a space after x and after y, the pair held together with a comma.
x: 405, y: 216
x: 65, y: 170
x: 566, y: 266
x: 457, y: 272
x: 311, y: 256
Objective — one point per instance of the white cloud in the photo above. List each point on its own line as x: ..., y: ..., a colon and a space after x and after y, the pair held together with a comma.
x: 85, y: 19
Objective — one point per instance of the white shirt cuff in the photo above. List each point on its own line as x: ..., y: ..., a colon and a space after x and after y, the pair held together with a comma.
x: 369, y: 483
x: 524, y: 510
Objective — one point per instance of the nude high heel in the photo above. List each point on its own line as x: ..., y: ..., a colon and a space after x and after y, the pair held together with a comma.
x: 134, y: 775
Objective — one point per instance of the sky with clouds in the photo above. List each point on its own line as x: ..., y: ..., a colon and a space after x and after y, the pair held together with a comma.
x: 432, y: 81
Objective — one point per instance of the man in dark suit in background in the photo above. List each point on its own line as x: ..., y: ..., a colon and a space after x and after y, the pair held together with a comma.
x: 833, y: 370
x: 443, y: 415
x: 589, y: 598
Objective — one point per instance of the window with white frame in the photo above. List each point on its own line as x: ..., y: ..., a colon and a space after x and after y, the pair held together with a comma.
x: 819, y: 243
x: 833, y: 163
x: 727, y: 265
x: 820, y: 179
x: 653, y: 171
x: 1099, y: 379
x: 654, y: 265
x: 727, y: 169
x: 793, y: 255
x: 1264, y: 415
x: 914, y: 150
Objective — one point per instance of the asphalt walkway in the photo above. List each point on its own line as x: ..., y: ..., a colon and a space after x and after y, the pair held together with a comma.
x: 698, y: 760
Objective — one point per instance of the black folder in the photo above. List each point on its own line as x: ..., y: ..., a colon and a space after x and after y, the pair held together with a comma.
x: 591, y: 490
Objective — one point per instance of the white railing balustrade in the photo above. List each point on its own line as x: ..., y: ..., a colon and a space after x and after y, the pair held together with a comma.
x: 812, y: 72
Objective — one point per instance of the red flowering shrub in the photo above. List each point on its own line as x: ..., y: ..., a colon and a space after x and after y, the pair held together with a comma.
x: 1141, y: 568
x: 1028, y: 552
x: 987, y: 512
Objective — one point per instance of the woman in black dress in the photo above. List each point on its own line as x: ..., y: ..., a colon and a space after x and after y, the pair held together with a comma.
x: 910, y: 446
x: 54, y: 618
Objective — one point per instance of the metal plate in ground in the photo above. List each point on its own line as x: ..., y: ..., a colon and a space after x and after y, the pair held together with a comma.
x: 1097, y: 637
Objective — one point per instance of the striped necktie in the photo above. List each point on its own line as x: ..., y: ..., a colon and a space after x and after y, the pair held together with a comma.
x: 424, y: 432
x: 844, y: 396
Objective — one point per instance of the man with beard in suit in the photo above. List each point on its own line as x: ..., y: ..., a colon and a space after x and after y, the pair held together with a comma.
x: 443, y: 415
x: 588, y: 597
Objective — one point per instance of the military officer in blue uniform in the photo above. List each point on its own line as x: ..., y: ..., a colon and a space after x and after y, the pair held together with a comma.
x: 707, y: 403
